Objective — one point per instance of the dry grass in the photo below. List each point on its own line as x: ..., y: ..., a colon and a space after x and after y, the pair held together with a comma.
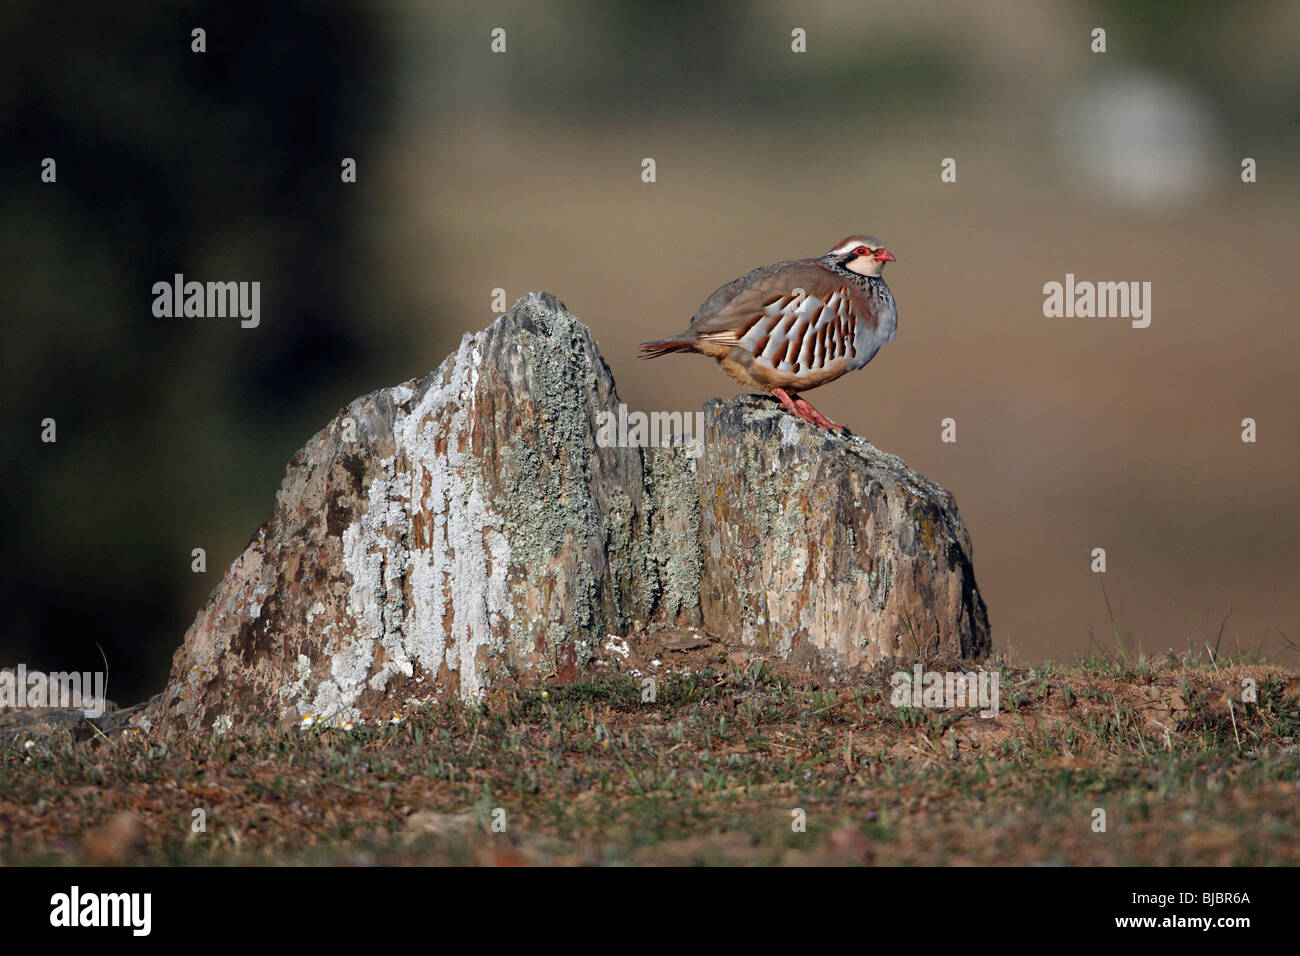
x: 708, y: 773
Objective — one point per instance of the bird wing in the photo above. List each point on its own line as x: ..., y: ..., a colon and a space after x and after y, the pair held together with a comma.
x: 732, y: 311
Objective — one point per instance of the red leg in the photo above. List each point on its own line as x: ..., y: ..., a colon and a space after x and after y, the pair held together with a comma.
x: 787, y: 403
x: 802, y: 408
x: 816, y: 417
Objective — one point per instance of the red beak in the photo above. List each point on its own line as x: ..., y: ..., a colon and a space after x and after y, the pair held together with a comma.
x: 883, y: 256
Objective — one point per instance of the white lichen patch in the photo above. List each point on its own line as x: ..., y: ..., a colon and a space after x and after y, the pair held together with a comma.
x: 427, y: 592
x: 297, y: 690
x: 254, y: 607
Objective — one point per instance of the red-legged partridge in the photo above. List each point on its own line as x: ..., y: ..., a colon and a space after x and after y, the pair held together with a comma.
x: 792, y: 326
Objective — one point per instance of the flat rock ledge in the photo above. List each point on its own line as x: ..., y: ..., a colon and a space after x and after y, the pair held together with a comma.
x: 471, y: 528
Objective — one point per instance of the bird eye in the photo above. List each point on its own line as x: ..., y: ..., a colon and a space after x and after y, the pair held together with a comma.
x: 860, y: 251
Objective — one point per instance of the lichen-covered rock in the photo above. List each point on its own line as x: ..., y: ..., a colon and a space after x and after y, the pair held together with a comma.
x: 435, y: 537
x: 672, y: 493
x: 818, y: 545
x: 472, y: 527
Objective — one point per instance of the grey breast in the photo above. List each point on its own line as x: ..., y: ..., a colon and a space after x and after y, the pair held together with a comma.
x: 867, y: 340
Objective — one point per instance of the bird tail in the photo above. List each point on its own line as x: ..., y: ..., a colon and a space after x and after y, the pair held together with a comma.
x: 651, y: 350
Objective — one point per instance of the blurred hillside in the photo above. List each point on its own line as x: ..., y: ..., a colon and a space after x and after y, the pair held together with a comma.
x: 522, y: 170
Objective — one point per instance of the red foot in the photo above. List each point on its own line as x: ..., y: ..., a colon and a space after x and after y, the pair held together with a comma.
x: 802, y: 408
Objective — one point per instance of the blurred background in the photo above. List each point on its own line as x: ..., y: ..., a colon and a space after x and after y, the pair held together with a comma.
x: 522, y: 170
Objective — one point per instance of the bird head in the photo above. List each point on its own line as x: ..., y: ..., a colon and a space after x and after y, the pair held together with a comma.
x: 865, y: 255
